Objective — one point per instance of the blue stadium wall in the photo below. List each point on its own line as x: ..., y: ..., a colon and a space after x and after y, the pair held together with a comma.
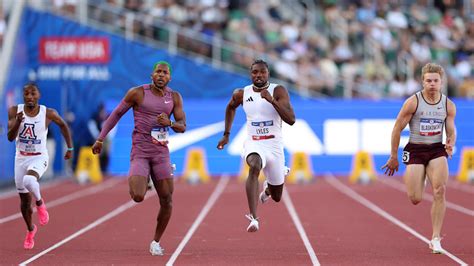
x: 330, y: 131
x: 79, y: 87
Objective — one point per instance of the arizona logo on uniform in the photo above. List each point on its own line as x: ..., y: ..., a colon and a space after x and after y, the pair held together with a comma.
x: 28, y: 131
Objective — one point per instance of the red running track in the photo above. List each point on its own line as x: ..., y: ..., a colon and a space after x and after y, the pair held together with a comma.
x: 328, y: 221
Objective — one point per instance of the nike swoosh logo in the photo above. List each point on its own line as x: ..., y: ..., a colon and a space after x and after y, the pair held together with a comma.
x: 179, y: 141
x: 167, y: 101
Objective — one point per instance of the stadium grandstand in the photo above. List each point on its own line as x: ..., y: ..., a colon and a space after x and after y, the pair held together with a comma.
x: 350, y: 49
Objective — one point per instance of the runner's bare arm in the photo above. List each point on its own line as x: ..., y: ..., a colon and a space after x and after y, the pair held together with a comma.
x: 14, y: 121
x: 281, y: 102
x: 403, y: 118
x: 450, y: 128
x: 52, y: 115
x: 235, y: 101
x: 178, y: 112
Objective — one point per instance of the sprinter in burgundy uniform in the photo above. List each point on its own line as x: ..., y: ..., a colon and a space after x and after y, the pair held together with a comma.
x: 427, y: 112
x: 153, y: 104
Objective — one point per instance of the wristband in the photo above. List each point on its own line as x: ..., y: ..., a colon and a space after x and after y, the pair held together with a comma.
x: 99, y: 141
x: 70, y: 149
x: 226, y: 133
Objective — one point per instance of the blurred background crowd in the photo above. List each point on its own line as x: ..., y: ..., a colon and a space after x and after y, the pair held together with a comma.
x: 354, y: 49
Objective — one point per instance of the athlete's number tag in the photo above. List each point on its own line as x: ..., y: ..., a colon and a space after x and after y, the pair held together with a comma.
x: 405, y: 156
x: 160, y: 135
x: 29, y: 145
x: 262, y: 127
x: 430, y: 127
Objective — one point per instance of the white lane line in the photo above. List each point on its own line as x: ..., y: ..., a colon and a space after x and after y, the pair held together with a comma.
x: 50, y: 184
x: 79, y: 194
x: 399, y: 186
x: 296, y: 220
x: 207, y: 207
x: 94, y: 224
x: 368, y: 204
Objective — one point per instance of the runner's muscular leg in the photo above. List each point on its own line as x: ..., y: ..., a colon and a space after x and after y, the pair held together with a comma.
x: 251, y: 185
x: 164, y: 188
x: 35, y: 174
x: 26, y: 209
x: 437, y: 172
x: 25, y: 204
x: 415, y: 182
x: 138, y: 186
x: 275, y: 192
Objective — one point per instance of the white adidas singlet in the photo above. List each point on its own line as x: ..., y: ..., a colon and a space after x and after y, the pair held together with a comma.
x: 264, y: 134
x: 263, y: 121
x: 31, y: 151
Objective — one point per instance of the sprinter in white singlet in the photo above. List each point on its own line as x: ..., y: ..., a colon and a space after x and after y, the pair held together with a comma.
x: 266, y: 105
x: 28, y: 125
x: 427, y: 112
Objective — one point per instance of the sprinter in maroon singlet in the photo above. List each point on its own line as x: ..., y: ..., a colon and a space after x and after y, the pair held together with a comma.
x: 428, y: 113
x: 153, y: 104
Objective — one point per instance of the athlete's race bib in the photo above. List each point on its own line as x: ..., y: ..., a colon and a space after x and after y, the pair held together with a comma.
x: 261, y: 130
x: 29, y: 145
x: 430, y: 127
x: 160, y: 135
x: 262, y: 127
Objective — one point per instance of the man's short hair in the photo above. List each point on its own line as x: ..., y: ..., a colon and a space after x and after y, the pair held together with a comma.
x: 432, y: 68
x: 259, y: 61
x: 30, y: 84
x: 162, y: 63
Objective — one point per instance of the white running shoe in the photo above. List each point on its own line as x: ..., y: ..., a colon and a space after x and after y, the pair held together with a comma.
x: 435, y: 245
x: 253, y: 226
x: 263, y: 195
x: 156, y: 249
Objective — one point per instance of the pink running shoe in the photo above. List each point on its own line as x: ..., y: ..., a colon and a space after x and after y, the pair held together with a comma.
x: 30, y: 238
x: 43, y: 214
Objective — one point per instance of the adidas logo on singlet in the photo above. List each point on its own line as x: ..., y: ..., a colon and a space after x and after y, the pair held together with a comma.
x: 249, y: 99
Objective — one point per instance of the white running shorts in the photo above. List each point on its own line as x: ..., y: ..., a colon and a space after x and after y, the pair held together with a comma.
x: 273, y: 160
x: 23, y: 164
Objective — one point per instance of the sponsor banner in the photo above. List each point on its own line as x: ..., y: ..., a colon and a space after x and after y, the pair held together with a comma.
x: 331, y: 132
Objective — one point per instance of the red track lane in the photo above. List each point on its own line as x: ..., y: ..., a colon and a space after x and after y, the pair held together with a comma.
x: 222, y: 238
x: 125, y: 238
x: 453, y: 195
x: 11, y: 205
x: 64, y: 220
x: 344, y: 232
x: 458, y: 228
x: 341, y: 230
x: 459, y: 186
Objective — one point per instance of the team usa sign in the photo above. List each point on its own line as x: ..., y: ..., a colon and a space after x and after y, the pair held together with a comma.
x: 75, y: 50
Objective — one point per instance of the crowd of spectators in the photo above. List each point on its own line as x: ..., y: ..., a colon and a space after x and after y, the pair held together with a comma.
x: 363, y: 48
x: 4, y: 13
